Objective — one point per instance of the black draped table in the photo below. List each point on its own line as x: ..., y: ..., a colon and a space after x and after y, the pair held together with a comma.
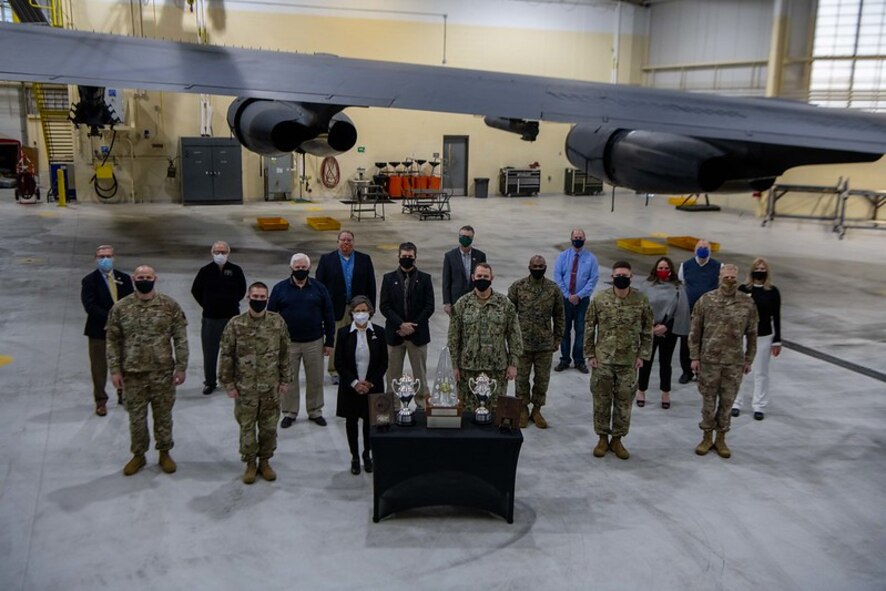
x: 474, y: 466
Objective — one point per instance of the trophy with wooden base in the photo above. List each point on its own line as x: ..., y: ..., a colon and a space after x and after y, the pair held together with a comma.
x: 442, y: 406
x: 404, y: 388
x: 483, y: 387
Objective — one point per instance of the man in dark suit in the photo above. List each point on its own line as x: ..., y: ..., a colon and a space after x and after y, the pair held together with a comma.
x: 458, y: 268
x: 99, y: 291
x: 345, y: 273
x: 407, y: 301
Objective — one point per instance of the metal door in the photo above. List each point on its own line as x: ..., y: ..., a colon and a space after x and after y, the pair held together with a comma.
x: 227, y: 174
x: 196, y: 173
x: 455, y: 164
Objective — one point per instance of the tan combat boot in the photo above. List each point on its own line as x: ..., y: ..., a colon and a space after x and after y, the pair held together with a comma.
x: 536, y: 418
x: 524, y: 417
x: 720, y: 445
x: 134, y: 465
x: 266, y: 471
x: 706, y: 443
x: 602, y: 447
x: 251, y: 472
x: 167, y: 464
x: 618, y: 449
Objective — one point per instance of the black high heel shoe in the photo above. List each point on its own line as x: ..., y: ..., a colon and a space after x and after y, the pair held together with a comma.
x: 367, y: 463
x: 355, y: 466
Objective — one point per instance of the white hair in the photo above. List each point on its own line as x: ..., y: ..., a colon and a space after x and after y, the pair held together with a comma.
x: 221, y: 242
x: 299, y: 256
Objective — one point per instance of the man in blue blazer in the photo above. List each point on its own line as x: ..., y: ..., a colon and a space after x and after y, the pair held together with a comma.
x: 99, y: 291
x: 345, y: 273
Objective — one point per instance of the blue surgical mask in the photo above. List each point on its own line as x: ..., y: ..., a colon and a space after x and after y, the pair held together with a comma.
x: 106, y: 265
x: 703, y: 252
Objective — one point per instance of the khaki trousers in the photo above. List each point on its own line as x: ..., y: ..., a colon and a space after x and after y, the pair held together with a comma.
x: 418, y: 361
x: 311, y: 354
x: 98, y: 365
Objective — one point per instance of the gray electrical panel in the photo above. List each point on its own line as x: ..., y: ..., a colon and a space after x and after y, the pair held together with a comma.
x: 278, y: 177
x: 212, y: 171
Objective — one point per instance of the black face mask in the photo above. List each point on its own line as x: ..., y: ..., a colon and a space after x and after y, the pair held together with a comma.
x: 407, y: 262
x: 578, y: 242
x: 258, y: 306
x: 482, y: 284
x: 144, y: 285
x: 537, y: 273
x: 300, y: 274
x: 621, y: 282
x: 759, y: 275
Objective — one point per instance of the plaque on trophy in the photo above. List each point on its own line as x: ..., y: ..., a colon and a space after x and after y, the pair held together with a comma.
x: 442, y: 406
x: 381, y: 410
x: 404, y: 388
x: 482, y: 388
x: 507, y: 412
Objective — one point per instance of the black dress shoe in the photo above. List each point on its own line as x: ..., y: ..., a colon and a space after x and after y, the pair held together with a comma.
x: 207, y: 390
x: 286, y: 422
x: 582, y: 368
x: 119, y: 396
x: 561, y: 366
x: 758, y: 416
x: 355, y: 466
x: 665, y: 405
x: 367, y: 463
x: 736, y: 412
x: 318, y: 420
x: 685, y: 378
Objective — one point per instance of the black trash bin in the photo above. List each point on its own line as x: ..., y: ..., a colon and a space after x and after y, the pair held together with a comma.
x: 481, y: 188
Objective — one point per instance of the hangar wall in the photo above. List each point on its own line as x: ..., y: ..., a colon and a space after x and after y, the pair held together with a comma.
x: 550, y: 39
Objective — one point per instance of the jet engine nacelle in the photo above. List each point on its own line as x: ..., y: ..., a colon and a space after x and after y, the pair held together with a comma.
x: 271, y: 128
x: 656, y: 162
x: 647, y: 161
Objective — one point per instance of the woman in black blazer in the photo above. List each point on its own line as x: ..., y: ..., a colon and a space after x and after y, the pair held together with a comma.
x: 361, y: 358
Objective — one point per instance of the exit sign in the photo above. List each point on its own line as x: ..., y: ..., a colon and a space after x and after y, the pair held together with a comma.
x: 361, y: 149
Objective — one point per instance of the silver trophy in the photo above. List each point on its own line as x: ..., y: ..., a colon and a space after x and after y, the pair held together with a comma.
x: 404, y: 388
x: 483, y: 387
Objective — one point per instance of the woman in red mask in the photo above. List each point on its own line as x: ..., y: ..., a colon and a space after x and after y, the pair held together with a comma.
x: 670, y: 310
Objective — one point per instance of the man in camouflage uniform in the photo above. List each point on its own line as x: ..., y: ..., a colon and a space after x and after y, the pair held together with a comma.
x: 255, y: 372
x: 484, y: 337
x: 618, y: 338
x: 143, y: 331
x: 720, y: 319
x: 539, y: 303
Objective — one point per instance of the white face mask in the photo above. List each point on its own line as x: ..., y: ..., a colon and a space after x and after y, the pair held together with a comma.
x: 220, y: 259
x: 361, y: 318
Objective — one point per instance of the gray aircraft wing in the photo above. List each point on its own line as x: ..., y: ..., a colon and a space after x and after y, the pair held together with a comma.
x: 43, y: 54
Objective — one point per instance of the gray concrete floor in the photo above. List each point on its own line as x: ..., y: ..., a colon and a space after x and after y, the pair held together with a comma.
x: 799, y: 505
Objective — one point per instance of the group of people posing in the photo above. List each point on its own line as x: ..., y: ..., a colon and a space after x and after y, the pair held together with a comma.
x: 139, y: 336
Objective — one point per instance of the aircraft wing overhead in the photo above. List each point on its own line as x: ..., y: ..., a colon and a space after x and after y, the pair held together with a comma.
x: 42, y: 54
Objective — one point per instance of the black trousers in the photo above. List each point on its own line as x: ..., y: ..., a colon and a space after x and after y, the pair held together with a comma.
x: 211, y: 331
x: 665, y: 346
x: 351, y: 431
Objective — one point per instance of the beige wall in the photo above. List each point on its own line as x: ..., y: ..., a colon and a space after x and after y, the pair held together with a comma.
x: 387, y: 135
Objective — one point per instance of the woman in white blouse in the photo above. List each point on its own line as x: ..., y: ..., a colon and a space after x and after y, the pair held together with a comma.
x: 361, y: 358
